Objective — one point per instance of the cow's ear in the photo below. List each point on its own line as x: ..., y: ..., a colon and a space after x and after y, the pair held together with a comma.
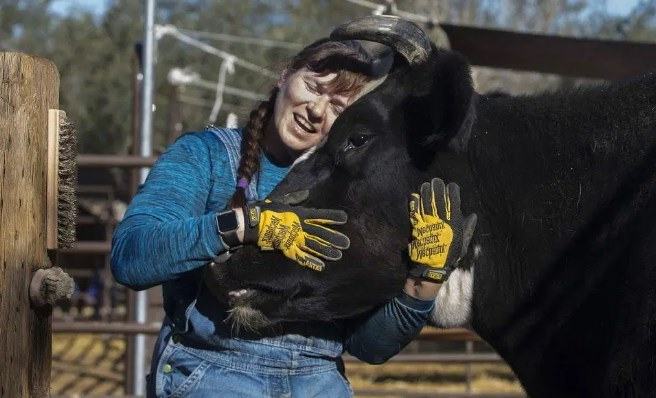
x: 444, y: 101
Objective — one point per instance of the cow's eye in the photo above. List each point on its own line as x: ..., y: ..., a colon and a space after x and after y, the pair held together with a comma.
x: 356, y: 141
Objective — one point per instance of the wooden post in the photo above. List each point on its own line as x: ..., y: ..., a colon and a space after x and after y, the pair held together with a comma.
x: 29, y: 86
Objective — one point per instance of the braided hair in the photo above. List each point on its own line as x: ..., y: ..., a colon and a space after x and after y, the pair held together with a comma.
x: 324, y: 57
x: 251, y: 147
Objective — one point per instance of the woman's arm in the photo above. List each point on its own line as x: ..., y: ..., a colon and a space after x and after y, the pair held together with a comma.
x: 379, y: 335
x: 165, y: 232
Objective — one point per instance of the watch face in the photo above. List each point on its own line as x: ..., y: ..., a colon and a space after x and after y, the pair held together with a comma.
x: 227, y: 221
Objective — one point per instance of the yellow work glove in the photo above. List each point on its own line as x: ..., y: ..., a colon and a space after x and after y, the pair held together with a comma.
x: 301, y: 233
x: 440, y: 233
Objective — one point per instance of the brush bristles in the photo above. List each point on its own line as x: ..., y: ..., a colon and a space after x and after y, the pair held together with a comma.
x: 67, y: 203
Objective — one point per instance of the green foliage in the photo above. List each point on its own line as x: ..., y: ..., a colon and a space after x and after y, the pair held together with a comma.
x: 24, y: 24
x: 638, y: 25
x: 93, y: 58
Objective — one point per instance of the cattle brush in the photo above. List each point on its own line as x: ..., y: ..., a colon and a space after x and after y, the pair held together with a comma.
x: 52, y: 285
x: 62, y: 181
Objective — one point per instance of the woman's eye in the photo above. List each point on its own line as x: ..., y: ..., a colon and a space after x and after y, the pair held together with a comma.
x: 312, y: 87
x: 338, y: 109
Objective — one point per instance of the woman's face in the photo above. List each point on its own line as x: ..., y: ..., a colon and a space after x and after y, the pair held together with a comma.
x: 305, y: 109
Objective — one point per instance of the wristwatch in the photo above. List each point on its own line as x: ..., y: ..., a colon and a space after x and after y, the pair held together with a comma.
x: 226, y: 224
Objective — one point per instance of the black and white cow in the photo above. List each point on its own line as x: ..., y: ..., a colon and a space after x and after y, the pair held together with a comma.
x: 564, y: 185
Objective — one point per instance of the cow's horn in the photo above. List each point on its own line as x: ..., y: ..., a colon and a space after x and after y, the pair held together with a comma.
x: 403, y: 36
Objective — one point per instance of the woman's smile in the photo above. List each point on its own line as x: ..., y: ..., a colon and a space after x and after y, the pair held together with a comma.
x: 304, y: 123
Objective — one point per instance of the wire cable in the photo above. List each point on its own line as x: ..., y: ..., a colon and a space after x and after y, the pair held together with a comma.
x: 171, y: 30
x: 379, y: 9
x: 230, y: 90
x: 195, y: 101
x: 241, y: 39
x: 227, y: 66
x: 232, y: 121
x: 186, y: 77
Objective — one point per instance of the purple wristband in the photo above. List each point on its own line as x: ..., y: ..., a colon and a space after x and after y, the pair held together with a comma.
x: 242, y: 183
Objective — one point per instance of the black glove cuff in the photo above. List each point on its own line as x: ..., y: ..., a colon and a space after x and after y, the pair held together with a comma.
x: 437, y: 275
x: 251, y: 220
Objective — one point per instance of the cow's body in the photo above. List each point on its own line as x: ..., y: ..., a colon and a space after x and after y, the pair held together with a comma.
x: 564, y: 288
x: 564, y: 186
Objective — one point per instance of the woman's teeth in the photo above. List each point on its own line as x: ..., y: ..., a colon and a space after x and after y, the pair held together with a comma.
x: 305, y: 125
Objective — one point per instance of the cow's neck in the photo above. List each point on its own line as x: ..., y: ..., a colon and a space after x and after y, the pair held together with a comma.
x: 551, y: 181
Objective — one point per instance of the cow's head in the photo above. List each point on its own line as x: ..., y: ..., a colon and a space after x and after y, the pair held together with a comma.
x: 378, y: 151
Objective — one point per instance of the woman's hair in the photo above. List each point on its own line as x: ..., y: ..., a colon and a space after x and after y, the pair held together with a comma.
x: 324, y: 57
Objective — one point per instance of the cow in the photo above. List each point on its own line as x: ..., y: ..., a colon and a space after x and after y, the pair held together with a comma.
x: 562, y: 266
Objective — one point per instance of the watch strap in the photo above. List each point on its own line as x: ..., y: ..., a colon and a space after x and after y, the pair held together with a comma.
x: 226, y: 224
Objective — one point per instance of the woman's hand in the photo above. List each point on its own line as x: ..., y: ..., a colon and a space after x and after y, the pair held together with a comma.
x: 440, y: 233
x: 420, y: 288
x: 300, y: 233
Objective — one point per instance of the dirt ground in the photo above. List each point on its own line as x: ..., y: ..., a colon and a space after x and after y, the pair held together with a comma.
x: 432, y: 378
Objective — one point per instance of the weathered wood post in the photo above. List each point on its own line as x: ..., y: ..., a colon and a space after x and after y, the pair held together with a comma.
x: 29, y: 86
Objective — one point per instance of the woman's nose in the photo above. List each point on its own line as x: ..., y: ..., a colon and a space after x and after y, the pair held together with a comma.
x: 317, y: 108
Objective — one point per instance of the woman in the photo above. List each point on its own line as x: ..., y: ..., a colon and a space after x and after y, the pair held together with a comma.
x: 170, y: 231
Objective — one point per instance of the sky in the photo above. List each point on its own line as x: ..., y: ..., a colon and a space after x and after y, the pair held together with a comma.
x: 63, y: 7
x: 620, y: 7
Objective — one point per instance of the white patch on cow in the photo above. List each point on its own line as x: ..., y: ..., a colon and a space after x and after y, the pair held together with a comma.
x: 454, y: 300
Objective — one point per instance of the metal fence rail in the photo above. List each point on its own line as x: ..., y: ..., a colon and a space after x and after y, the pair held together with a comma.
x: 104, y: 161
x: 438, y: 357
x: 127, y: 328
x: 565, y: 56
x: 428, y: 334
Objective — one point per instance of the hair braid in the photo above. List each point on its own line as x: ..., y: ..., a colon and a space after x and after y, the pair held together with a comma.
x: 251, y: 146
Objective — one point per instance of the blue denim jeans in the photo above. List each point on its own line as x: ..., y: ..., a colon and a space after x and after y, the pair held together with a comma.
x: 272, y: 367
